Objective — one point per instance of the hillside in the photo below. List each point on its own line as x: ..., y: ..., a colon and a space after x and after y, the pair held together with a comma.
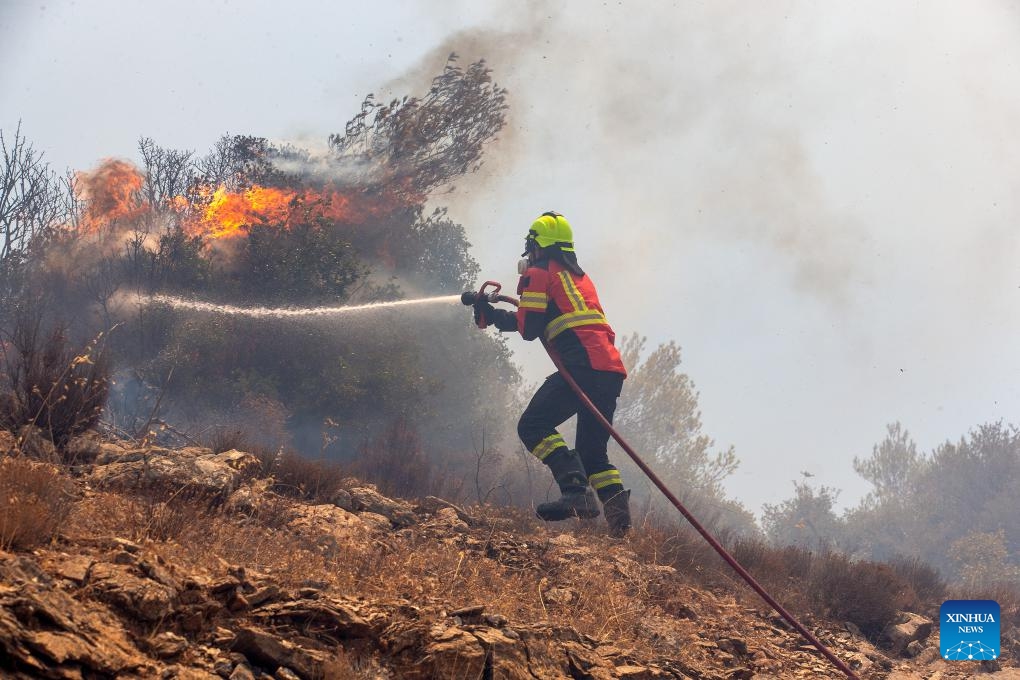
x: 192, y: 564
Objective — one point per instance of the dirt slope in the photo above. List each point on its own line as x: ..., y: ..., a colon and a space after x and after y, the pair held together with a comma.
x: 186, y: 564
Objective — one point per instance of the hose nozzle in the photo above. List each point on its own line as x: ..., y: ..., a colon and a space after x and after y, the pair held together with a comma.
x: 470, y: 298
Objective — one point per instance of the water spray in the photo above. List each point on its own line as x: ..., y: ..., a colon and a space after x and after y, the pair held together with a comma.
x: 470, y: 298
x: 282, y: 312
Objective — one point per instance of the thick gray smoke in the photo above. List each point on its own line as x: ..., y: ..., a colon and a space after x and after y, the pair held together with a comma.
x: 815, y: 201
x: 661, y: 128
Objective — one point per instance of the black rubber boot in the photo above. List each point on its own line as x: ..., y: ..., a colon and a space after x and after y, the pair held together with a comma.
x: 617, y: 508
x: 576, y: 497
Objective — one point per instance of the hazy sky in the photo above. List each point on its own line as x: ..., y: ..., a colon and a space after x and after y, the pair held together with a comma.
x: 820, y: 202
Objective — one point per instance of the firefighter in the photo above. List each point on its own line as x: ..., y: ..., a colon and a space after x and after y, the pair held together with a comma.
x: 558, y: 302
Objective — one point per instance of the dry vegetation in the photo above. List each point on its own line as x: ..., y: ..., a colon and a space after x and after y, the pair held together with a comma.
x: 194, y: 532
x: 648, y: 596
x: 49, y: 384
x: 35, y: 499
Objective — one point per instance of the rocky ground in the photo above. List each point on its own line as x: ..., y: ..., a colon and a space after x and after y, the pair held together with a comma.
x: 188, y: 564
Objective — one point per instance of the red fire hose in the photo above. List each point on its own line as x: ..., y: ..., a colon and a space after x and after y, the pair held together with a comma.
x: 705, y: 533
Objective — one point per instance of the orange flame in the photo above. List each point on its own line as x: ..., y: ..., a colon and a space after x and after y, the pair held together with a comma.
x: 113, y: 198
x: 229, y: 213
x: 111, y: 193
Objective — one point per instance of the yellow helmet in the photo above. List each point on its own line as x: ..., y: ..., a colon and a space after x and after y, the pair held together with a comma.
x: 552, y: 229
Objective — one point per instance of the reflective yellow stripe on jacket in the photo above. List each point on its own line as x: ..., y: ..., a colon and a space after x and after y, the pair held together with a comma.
x: 573, y: 294
x: 587, y: 317
x: 534, y: 300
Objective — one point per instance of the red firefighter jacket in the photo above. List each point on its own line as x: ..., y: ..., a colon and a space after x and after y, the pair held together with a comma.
x: 564, y: 308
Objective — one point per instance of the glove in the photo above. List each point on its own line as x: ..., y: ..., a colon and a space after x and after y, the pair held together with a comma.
x: 484, y: 312
x: 503, y: 320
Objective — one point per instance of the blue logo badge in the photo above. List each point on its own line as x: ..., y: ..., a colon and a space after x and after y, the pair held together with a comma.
x: 969, y: 630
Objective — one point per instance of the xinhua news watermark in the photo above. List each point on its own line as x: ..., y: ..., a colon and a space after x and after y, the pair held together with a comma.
x: 969, y: 630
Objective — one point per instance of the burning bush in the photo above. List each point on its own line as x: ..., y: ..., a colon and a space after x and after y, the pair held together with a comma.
x: 254, y: 223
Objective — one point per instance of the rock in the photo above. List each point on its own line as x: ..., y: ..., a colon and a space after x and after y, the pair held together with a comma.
x: 561, y: 596
x: 47, y: 633
x: 343, y: 500
x: 377, y: 522
x: 242, y: 672
x: 859, y: 662
x: 284, y: 673
x: 446, y: 520
x: 635, y: 672
x: 167, y: 645
x: 199, y: 470
x: 908, y: 628
x: 734, y: 646
x: 248, y: 465
x: 454, y: 654
x: 269, y: 650
x: 83, y: 449
x: 110, y: 452
x: 264, y: 594
x: 495, y: 620
x: 433, y: 505
x: 74, y: 568
x: 853, y: 628
x: 341, y: 618
x: 928, y: 655
x: 473, y: 611
x: 140, y: 597
x: 183, y: 673
x: 367, y: 499
x: 329, y: 527
x: 34, y: 443
x: 914, y: 648
x: 251, y: 498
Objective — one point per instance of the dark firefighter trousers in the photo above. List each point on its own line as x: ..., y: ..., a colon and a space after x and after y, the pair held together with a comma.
x: 555, y: 402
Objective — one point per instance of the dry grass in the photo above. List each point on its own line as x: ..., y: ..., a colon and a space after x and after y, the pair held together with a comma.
x: 441, y: 573
x: 304, y: 478
x: 436, y: 575
x: 826, y: 584
x: 928, y: 589
x: 50, y: 384
x: 350, y: 666
x: 35, y: 499
x: 394, y: 461
x: 867, y: 593
x: 200, y: 538
x: 221, y: 439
